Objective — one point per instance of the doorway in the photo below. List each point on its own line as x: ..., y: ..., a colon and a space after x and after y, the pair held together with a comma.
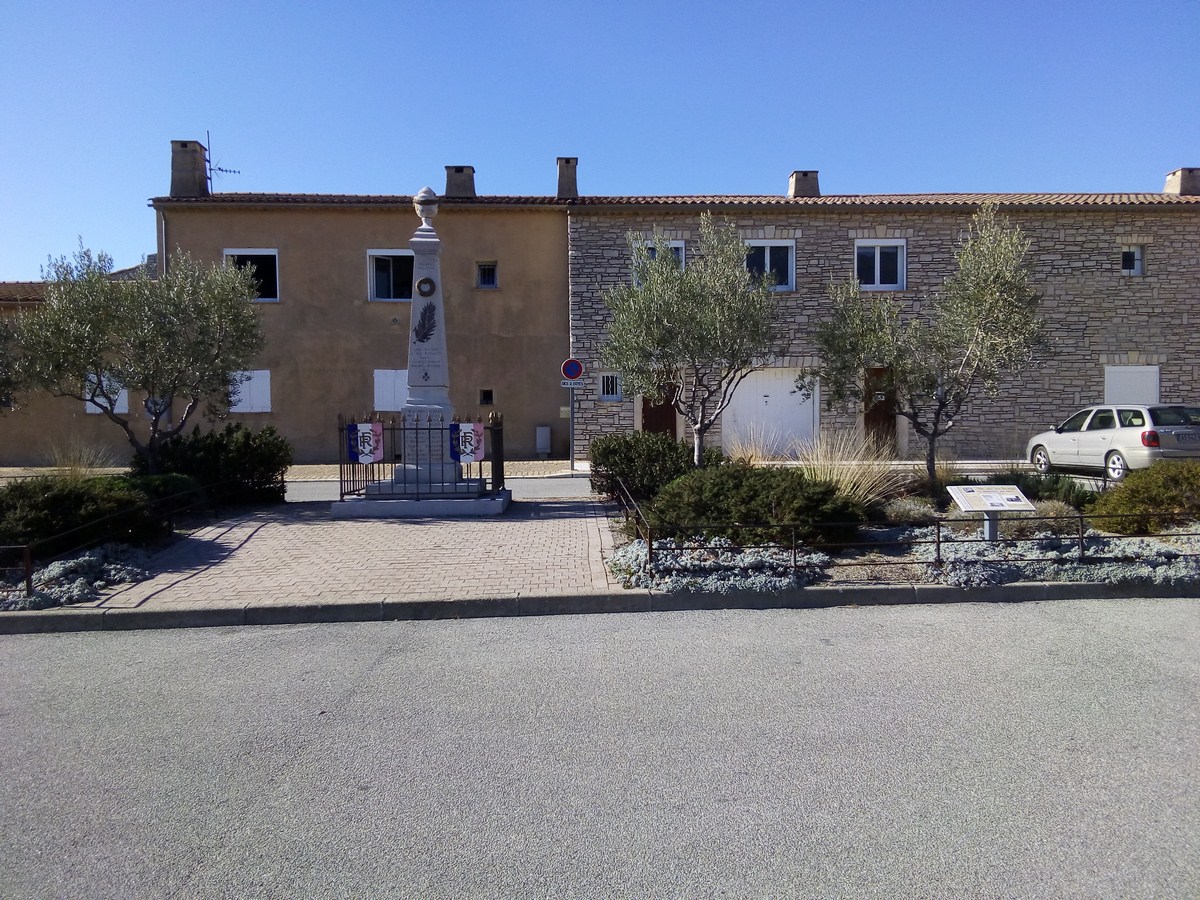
x: 659, y: 418
x: 879, y: 404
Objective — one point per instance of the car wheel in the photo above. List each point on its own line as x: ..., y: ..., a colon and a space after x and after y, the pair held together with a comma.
x: 1041, y: 460
x: 1115, y: 467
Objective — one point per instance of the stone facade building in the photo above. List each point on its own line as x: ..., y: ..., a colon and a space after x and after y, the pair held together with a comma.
x: 1119, y: 275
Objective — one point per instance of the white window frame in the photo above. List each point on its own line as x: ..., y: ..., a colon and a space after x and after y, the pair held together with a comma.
x: 254, y: 392
x: 387, y: 389
x: 902, y: 262
x: 371, y: 254
x: 259, y: 251
x: 790, y: 285
x: 120, y: 406
x: 495, y: 285
x: 613, y: 380
x: 1139, y: 259
x: 678, y: 248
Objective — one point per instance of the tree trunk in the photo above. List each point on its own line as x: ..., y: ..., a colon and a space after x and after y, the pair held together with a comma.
x: 931, y: 462
x: 697, y: 448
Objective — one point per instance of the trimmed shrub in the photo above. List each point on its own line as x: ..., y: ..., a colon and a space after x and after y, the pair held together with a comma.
x: 234, y: 465
x: 776, y: 503
x: 1163, y: 496
x: 1037, y: 487
x: 644, y: 461
x: 911, y: 510
x: 59, y: 514
x: 170, y: 493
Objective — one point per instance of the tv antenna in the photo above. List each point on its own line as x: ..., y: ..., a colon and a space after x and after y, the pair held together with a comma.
x: 209, y: 165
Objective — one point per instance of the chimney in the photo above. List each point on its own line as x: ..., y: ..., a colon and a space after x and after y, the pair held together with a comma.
x: 460, y: 181
x: 1183, y: 181
x: 568, y: 188
x: 803, y: 184
x: 189, y: 171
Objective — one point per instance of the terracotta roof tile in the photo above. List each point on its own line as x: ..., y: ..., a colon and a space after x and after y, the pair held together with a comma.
x: 21, y: 291
x: 836, y: 200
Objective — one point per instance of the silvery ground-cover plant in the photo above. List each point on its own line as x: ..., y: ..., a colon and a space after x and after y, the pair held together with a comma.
x: 77, y: 579
x: 714, y: 566
x: 717, y: 566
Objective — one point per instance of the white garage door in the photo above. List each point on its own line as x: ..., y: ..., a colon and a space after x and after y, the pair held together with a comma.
x: 765, y: 414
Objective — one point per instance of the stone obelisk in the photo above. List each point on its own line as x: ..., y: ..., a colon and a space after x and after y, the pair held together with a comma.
x: 428, y: 401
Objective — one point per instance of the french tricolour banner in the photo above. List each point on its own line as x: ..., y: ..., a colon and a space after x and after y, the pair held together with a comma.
x: 466, y: 441
x: 366, y: 442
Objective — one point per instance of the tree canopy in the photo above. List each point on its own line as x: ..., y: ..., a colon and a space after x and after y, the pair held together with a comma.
x: 690, y: 330
x: 954, y: 347
x: 174, y: 342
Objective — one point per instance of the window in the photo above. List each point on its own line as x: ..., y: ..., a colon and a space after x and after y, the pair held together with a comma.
x: 265, y: 265
x: 253, y: 392
x: 774, y: 257
x: 676, y: 251
x: 486, y: 276
x: 1075, y: 423
x: 879, y: 264
x: 485, y: 397
x: 610, y: 387
x: 390, y: 274
x: 391, y: 389
x: 1102, y: 421
x: 1131, y: 260
x: 120, y: 405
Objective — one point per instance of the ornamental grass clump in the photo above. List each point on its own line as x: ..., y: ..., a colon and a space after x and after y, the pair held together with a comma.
x: 862, y: 469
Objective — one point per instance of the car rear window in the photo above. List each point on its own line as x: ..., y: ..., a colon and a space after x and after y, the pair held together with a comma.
x: 1175, y: 415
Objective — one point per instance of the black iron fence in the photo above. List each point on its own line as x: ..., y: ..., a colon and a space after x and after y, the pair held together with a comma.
x: 420, y: 457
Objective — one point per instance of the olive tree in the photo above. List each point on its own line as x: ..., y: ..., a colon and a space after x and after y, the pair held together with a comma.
x: 175, y: 342
x: 691, y: 331
x: 981, y: 325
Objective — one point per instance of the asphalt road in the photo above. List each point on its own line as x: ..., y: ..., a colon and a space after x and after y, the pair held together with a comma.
x: 1039, y: 750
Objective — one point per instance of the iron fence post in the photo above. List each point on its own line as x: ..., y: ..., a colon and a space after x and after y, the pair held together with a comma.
x: 27, y: 559
x: 1082, y: 551
x: 937, y: 542
x: 649, y: 548
x: 497, y: 422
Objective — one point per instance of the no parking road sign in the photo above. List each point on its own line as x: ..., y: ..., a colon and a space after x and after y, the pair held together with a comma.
x: 572, y: 369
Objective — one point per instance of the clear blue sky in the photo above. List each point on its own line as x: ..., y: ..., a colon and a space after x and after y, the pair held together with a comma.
x: 653, y: 97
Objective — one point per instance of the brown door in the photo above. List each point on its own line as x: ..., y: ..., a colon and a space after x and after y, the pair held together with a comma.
x: 658, y: 417
x: 879, y: 417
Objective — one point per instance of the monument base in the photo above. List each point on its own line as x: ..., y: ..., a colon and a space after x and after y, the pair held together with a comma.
x: 383, y: 507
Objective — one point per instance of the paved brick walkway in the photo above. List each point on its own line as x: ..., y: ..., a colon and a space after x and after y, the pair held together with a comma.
x: 298, y: 554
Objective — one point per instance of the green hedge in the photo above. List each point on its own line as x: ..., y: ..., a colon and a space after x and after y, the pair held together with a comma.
x: 644, y: 461
x: 776, y: 502
x: 58, y: 514
x: 233, y: 465
x: 1163, y: 496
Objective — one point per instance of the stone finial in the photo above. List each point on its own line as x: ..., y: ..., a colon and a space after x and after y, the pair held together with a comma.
x: 426, y: 205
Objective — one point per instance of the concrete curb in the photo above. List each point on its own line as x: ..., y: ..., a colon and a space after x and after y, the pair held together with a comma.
x: 429, y: 608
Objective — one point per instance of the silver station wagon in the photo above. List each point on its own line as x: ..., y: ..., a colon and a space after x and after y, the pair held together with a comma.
x: 1118, y: 438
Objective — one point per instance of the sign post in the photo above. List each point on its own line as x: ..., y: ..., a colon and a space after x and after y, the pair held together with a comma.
x: 572, y: 373
x: 991, y: 500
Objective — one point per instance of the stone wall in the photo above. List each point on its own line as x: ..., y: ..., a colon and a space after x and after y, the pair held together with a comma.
x: 1096, y: 315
